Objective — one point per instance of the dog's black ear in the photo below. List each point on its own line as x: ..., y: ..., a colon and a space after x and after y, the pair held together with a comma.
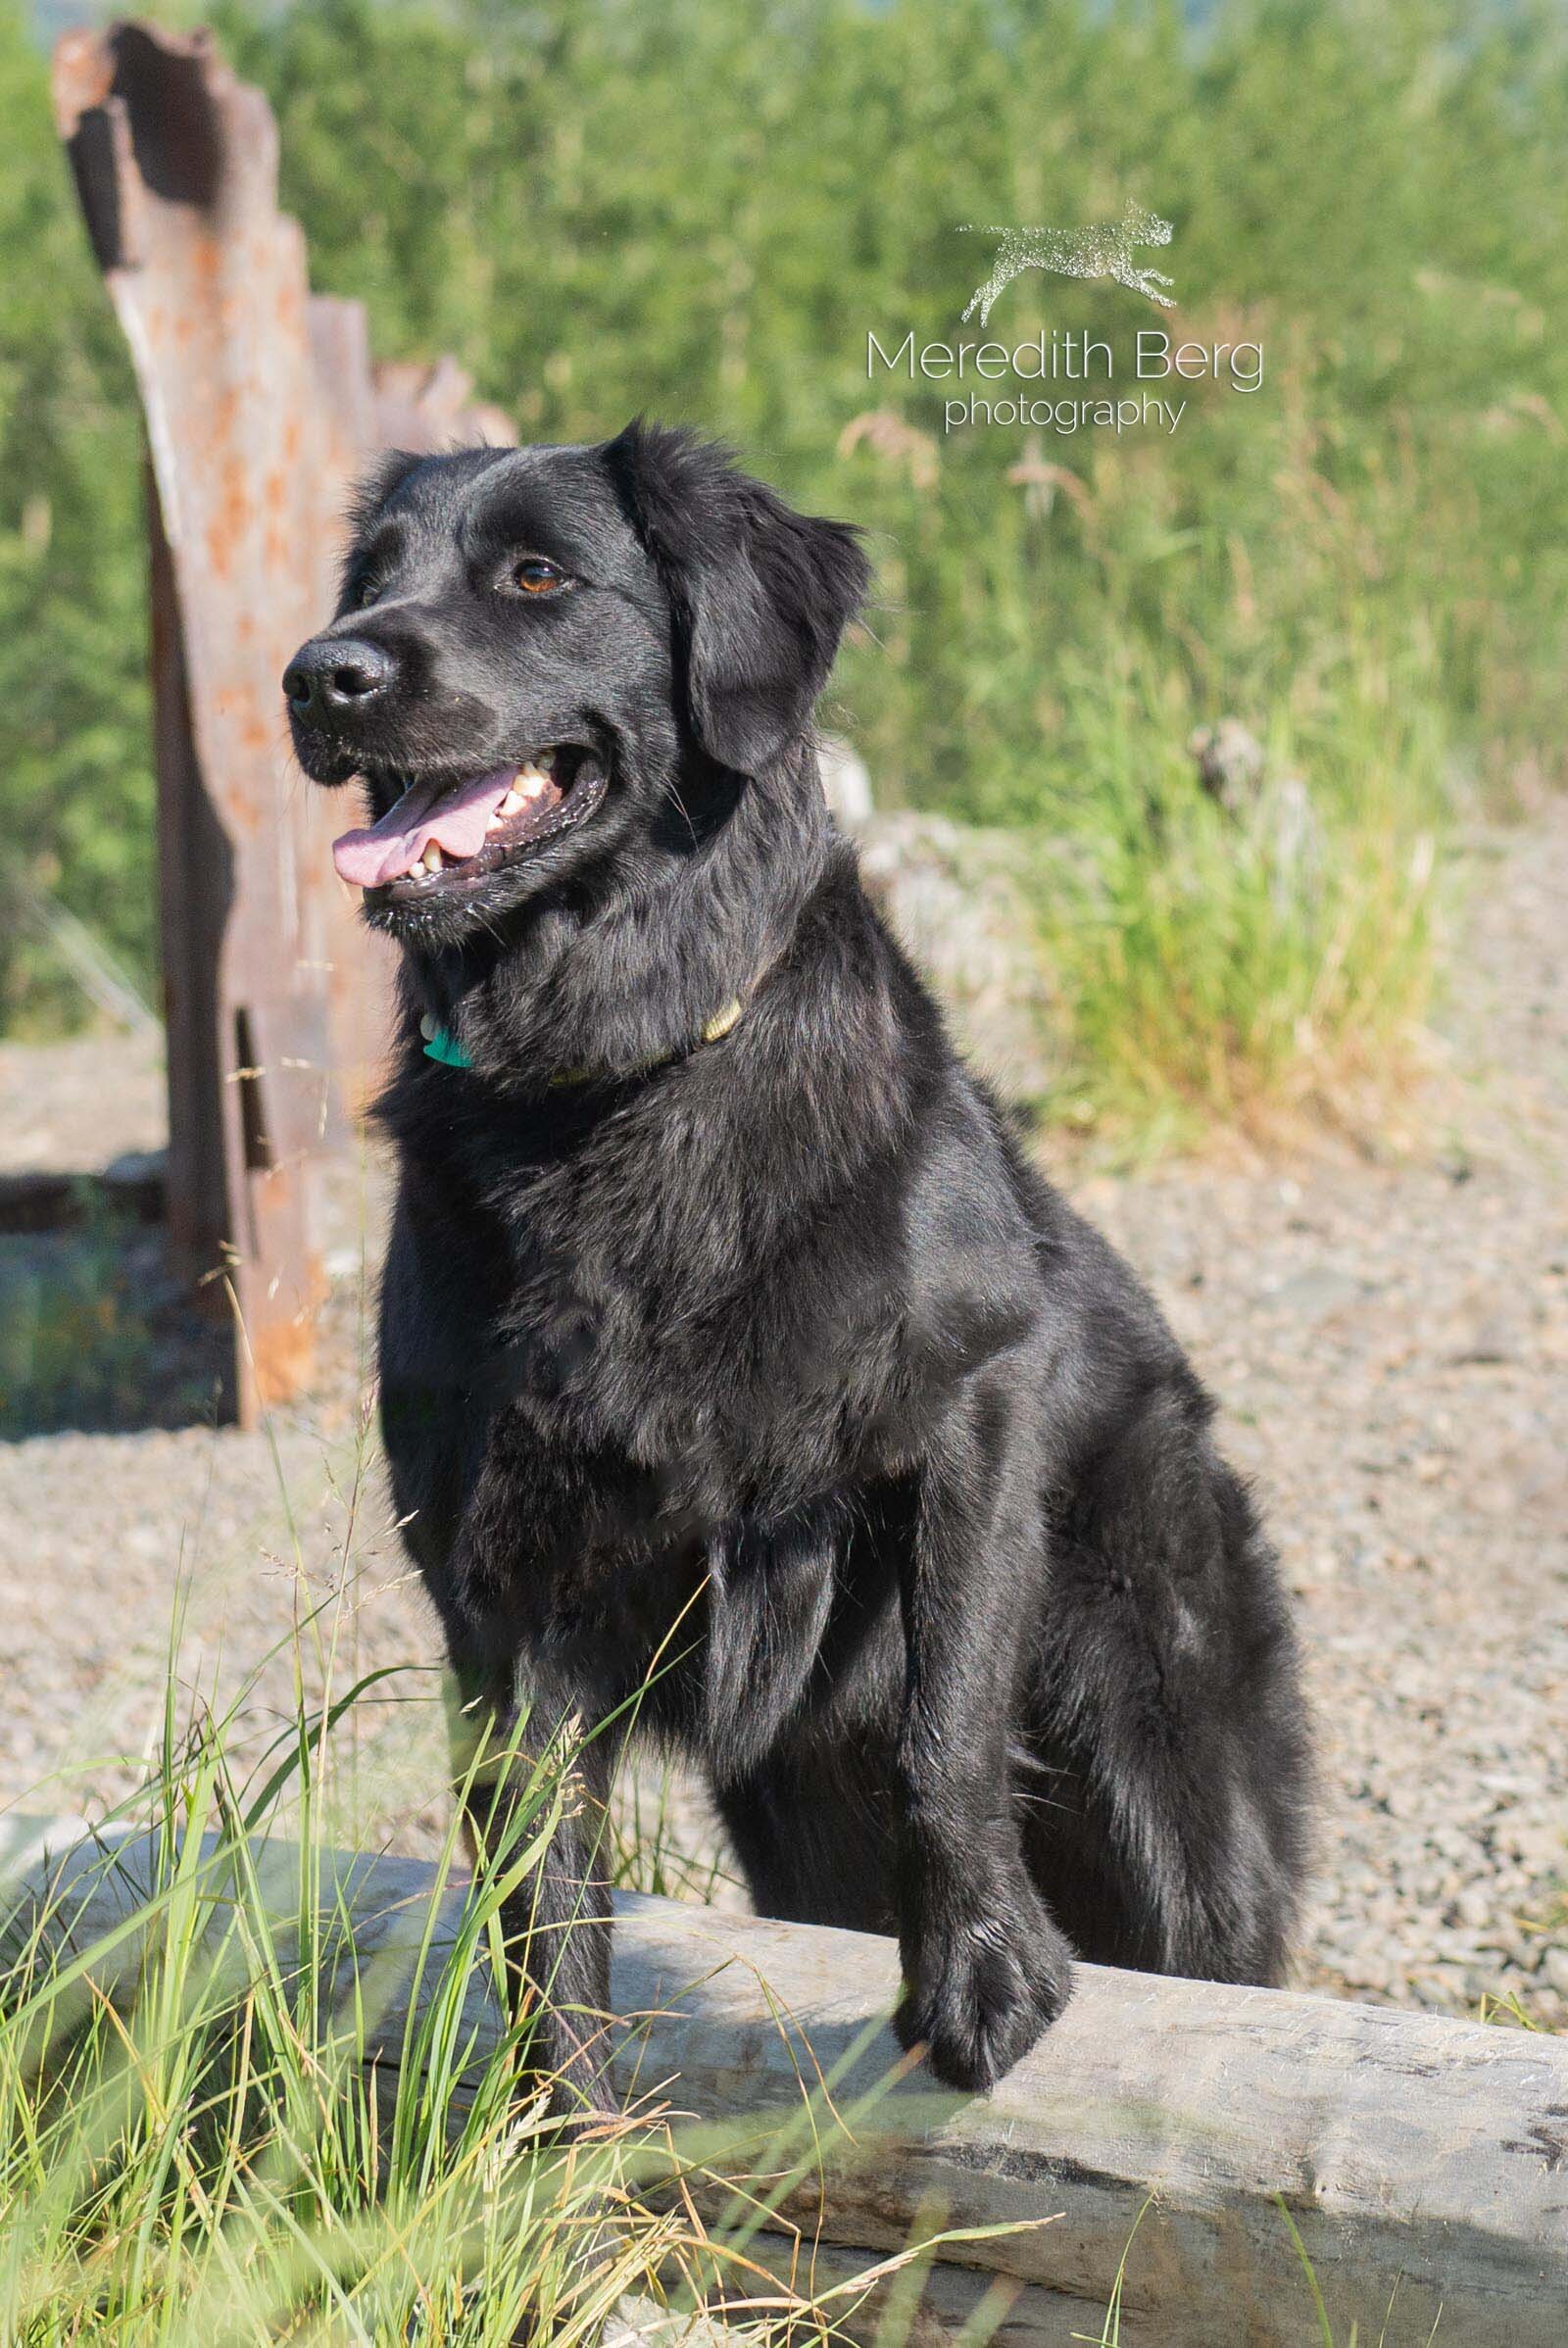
x: 761, y: 593
x: 367, y: 496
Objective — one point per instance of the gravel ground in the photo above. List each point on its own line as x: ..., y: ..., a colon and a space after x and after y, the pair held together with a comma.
x: 1389, y: 1340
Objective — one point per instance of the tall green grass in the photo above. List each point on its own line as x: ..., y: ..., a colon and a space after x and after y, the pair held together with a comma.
x: 1209, y: 968
x: 232, y: 2113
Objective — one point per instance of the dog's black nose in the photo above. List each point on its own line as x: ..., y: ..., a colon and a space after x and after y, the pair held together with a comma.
x: 337, y: 676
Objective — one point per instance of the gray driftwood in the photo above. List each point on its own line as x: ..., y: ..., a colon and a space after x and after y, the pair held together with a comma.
x: 1423, y: 2160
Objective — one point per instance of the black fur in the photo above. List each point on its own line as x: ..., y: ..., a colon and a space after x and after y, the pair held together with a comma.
x: 773, y: 1369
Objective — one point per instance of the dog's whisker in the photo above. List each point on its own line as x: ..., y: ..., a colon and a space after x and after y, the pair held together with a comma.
x: 674, y: 793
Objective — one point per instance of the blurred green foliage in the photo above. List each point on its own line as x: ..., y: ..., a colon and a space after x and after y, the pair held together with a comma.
x: 75, y: 772
x: 700, y: 212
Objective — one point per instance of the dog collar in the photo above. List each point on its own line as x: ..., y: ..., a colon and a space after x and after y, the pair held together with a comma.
x: 440, y: 1044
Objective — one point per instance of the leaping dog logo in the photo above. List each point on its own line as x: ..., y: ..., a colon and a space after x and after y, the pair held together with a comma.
x: 1105, y: 252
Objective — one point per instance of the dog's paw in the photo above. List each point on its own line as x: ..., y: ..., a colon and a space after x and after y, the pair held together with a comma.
x: 979, y: 1996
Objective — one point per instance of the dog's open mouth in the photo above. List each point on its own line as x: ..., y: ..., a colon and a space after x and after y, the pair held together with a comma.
x: 442, y: 833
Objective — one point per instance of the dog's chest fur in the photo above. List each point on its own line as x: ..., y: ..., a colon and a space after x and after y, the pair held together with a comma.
x: 619, y: 1284
x: 730, y: 1304
x: 610, y: 1310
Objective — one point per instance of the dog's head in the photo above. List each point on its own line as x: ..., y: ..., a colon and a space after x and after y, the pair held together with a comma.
x: 540, y: 654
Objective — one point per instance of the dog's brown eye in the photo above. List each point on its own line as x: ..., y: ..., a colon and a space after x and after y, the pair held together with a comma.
x: 536, y: 576
x: 368, y: 595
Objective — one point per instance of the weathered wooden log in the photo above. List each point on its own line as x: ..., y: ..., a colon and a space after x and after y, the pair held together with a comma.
x: 1423, y: 2161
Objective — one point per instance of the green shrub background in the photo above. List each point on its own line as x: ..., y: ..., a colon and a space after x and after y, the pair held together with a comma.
x: 697, y: 212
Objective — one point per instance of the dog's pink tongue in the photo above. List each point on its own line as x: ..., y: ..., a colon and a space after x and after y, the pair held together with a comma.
x: 394, y: 846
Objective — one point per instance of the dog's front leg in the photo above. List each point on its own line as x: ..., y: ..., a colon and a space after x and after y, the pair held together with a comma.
x: 986, y: 1968
x: 527, y: 1767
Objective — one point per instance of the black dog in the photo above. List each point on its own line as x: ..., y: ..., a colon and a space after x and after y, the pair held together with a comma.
x: 728, y: 1343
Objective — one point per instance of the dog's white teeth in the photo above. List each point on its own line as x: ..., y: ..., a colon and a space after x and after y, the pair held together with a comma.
x: 493, y: 822
x: 547, y: 761
x: 432, y: 859
x: 529, y: 783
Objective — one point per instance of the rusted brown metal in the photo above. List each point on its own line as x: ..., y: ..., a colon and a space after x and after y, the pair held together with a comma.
x: 261, y: 404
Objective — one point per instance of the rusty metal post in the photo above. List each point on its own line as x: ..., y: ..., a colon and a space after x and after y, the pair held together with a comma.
x: 260, y: 404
